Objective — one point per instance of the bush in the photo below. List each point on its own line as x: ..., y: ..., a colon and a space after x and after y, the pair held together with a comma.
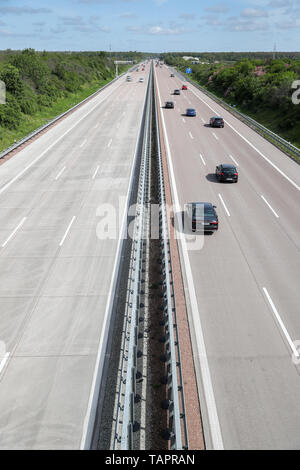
x: 10, y: 75
x: 10, y: 113
x: 28, y: 102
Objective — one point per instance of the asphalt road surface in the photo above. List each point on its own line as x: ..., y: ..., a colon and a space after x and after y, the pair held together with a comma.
x: 55, y: 273
x: 245, y: 278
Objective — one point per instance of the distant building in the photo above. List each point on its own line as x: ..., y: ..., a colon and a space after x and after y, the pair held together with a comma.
x: 195, y: 60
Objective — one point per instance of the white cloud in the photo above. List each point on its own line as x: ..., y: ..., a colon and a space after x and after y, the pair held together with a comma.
x: 254, y: 13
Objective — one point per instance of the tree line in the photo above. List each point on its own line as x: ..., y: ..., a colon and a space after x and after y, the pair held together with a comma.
x: 262, y: 87
x: 36, y: 80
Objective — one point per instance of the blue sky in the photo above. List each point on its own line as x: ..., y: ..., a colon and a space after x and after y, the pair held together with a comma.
x: 150, y: 25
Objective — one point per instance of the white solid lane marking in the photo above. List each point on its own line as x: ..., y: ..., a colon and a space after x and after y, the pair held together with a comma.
x: 227, y: 211
x: 183, y: 120
x: 67, y: 231
x: 281, y: 324
x: 215, y: 136
x: 201, y: 156
x: 4, y: 361
x: 213, y: 419
x: 15, y: 178
x: 203, y: 120
x: 109, y: 143
x: 270, y: 207
x: 191, y: 135
x: 60, y: 173
x: 95, y: 174
x: 13, y: 233
x: 233, y: 160
x: 83, y: 143
x: 251, y: 145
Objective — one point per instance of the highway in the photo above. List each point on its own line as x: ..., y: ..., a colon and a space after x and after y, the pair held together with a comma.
x: 55, y: 273
x: 243, y: 285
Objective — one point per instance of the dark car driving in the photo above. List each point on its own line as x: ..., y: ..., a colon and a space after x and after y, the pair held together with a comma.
x: 176, y: 92
x: 227, y: 172
x: 201, y: 216
x: 169, y: 104
x: 216, y: 121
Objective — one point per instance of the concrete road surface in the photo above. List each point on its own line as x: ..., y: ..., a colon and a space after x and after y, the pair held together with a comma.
x: 246, y: 277
x: 55, y: 273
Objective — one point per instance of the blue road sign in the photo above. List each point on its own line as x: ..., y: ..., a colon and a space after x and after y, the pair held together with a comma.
x: 189, y: 70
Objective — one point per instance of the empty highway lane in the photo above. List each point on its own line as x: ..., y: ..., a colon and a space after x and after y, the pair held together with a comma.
x: 55, y: 274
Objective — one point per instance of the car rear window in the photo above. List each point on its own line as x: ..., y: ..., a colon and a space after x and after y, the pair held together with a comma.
x: 209, y: 212
x: 229, y: 170
x: 199, y: 211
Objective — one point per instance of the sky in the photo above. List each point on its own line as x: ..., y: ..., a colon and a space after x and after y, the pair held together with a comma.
x: 150, y: 25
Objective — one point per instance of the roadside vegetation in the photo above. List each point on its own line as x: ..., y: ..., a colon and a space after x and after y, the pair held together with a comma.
x: 42, y: 85
x: 259, y: 87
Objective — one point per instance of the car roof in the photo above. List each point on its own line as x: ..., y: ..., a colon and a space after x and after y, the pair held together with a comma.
x: 227, y: 165
x: 190, y: 109
x: 217, y: 117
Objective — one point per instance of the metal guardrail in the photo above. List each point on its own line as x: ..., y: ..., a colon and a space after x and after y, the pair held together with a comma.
x: 57, y: 118
x: 264, y: 131
x: 177, y: 420
x: 125, y: 416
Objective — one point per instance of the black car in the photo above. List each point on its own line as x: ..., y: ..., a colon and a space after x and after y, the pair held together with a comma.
x: 176, y: 92
x: 169, y: 104
x: 227, y: 172
x: 216, y: 121
x: 202, y: 216
x: 172, y: 75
